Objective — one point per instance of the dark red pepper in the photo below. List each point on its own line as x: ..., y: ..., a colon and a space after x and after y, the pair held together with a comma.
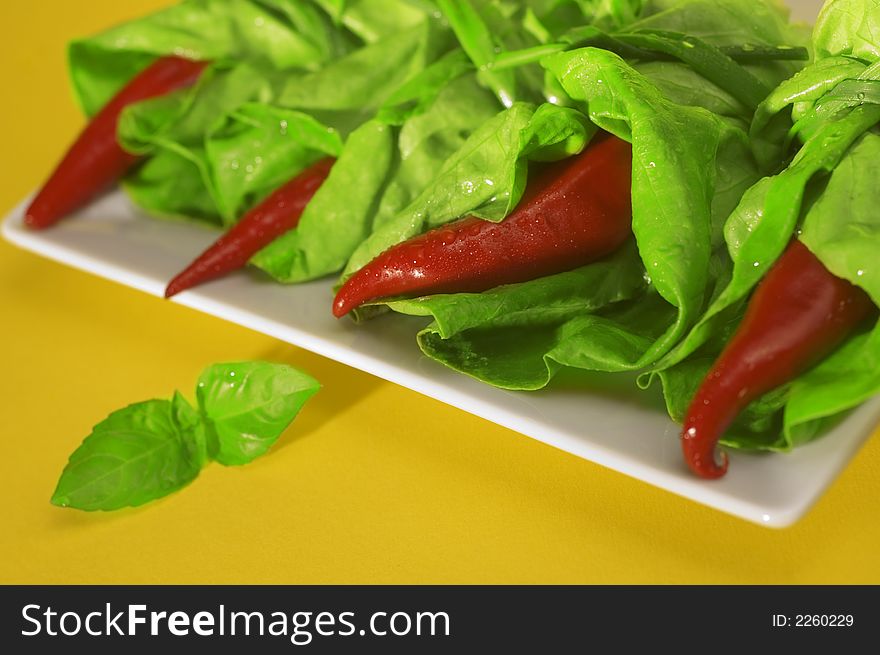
x: 576, y: 211
x: 95, y: 160
x: 277, y: 214
x: 798, y: 314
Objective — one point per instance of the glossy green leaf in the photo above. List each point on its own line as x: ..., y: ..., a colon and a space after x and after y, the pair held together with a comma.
x: 237, y: 150
x: 136, y: 455
x: 373, y: 20
x: 675, y: 150
x: 380, y: 171
x: 806, y: 86
x: 486, y: 176
x: 171, y: 185
x: 771, y: 127
x: 722, y: 22
x: 257, y: 148
x: 848, y: 27
x: 360, y: 82
x: 476, y: 38
x: 842, y: 227
x: 420, y: 92
x: 848, y: 94
x: 253, y: 121
x: 249, y: 405
x: 761, y: 226
x: 849, y: 376
x: 276, y: 33
x: 758, y: 427
x: 339, y: 215
x: 827, y: 197
x: 517, y: 336
x: 684, y: 86
x: 707, y: 60
x: 151, y: 449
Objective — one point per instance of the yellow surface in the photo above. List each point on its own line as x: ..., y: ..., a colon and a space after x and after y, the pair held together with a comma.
x: 373, y: 484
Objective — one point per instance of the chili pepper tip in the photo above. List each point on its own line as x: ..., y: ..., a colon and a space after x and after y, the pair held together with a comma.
x: 173, y: 289
x: 32, y: 222
x: 341, y: 307
x: 703, y: 458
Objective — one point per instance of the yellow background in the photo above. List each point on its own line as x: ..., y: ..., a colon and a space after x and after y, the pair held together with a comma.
x: 373, y: 484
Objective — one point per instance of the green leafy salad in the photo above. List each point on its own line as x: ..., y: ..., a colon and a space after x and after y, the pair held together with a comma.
x: 746, y: 131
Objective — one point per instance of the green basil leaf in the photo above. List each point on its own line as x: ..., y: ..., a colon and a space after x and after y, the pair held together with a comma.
x: 249, y: 405
x: 850, y: 93
x: 135, y: 455
x: 150, y: 449
x: 174, y: 128
x: 771, y: 127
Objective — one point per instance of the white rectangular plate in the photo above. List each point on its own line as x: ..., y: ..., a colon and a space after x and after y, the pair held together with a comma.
x: 624, y: 430
x: 621, y: 429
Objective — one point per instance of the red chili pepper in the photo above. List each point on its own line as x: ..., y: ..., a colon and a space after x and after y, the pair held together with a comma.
x: 95, y: 160
x: 798, y: 314
x: 576, y: 211
x: 277, y: 214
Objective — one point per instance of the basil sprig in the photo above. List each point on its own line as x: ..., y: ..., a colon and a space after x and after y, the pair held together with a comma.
x: 153, y: 448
